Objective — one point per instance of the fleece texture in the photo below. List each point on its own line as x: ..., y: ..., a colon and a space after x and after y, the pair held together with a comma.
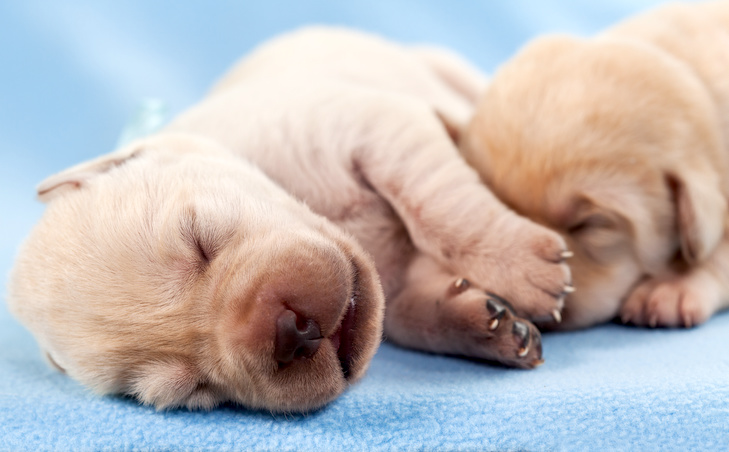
x: 74, y: 72
x: 608, y: 388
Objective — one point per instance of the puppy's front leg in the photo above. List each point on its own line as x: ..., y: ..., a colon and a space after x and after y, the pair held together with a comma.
x: 410, y: 160
x: 682, y: 299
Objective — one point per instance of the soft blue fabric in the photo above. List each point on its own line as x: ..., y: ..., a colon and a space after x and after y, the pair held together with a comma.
x: 73, y: 73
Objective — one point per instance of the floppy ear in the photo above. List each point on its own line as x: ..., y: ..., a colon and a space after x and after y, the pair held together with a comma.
x: 453, y: 126
x: 76, y: 176
x: 700, y: 213
x: 53, y: 363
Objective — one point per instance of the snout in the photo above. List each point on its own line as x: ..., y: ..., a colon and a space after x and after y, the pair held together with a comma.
x: 314, y: 296
x: 307, y: 290
x: 303, y: 319
x: 309, y: 301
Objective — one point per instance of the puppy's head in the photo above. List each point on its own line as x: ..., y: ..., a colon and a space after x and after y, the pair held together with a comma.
x: 615, y: 145
x: 178, y: 274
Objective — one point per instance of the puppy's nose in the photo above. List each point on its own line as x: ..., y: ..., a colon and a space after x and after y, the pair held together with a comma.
x: 295, y: 337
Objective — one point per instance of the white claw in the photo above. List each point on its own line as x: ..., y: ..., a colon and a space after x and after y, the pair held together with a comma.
x: 493, y: 324
x: 567, y: 254
x: 523, y: 352
x: 557, y: 316
x: 568, y: 289
x: 460, y: 282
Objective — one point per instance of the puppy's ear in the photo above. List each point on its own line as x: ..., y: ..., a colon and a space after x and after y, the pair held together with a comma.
x: 700, y: 213
x: 74, y: 177
x: 171, y: 383
x: 453, y: 126
x: 53, y: 363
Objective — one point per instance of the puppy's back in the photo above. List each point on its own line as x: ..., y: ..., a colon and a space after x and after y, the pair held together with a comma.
x: 314, y: 54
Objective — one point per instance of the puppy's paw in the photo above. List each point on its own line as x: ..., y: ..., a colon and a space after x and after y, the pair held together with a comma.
x: 529, y: 268
x: 673, y: 301
x: 484, y: 326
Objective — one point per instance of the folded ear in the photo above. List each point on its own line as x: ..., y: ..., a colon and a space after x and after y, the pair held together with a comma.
x: 453, y: 126
x: 76, y: 176
x: 700, y: 213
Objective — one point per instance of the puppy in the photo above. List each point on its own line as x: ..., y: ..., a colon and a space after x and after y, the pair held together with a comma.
x: 619, y: 143
x: 244, y: 253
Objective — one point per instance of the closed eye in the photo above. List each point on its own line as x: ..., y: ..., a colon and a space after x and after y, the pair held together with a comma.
x: 591, y: 222
x: 600, y: 236
x: 198, y: 237
x: 204, y: 254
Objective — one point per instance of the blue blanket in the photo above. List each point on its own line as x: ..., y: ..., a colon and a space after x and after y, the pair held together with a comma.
x: 72, y: 73
x: 608, y: 388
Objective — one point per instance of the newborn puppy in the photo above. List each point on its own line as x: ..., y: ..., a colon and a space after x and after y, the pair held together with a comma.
x: 619, y: 143
x: 234, y: 256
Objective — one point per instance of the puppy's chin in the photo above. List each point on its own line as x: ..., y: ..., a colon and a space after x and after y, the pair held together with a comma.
x: 623, y: 234
x: 167, y: 279
x: 599, y: 292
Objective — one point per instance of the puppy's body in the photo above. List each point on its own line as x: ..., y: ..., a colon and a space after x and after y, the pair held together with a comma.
x: 622, y: 140
x: 176, y: 271
x: 318, y: 72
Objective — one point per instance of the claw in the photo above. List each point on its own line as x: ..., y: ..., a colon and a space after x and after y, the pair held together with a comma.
x: 462, y: 284
x: 522, y: 331
x: 566, y: 254
x: 459, y: 286
x: 568, y: 289
x: 497, y: 312
x: 537, y: 362
x: 557, y: 316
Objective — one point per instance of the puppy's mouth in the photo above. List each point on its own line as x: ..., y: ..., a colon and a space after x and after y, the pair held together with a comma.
x: 344, y: 337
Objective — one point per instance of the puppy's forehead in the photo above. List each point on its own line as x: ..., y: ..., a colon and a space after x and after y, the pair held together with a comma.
x: 585, y: 109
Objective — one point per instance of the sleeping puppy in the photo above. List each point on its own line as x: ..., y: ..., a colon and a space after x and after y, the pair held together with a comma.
x: 244, y: 253
x: 619, y: 143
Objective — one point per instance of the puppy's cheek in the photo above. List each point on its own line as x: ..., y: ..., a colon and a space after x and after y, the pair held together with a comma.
x: 600, y: 290
x: 171, y: 383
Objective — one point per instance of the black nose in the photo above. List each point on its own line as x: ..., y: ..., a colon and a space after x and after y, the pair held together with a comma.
x: 295, y: 338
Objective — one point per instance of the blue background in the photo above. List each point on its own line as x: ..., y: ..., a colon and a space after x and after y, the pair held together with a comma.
x: 72, y: 75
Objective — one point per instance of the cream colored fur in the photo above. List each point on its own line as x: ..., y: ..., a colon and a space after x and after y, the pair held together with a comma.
x: 620, y: 144
x: 321, y: 161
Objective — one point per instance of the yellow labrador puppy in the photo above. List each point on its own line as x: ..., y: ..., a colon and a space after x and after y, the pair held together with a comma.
x: 235, y: 255
x: 619, y: 143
